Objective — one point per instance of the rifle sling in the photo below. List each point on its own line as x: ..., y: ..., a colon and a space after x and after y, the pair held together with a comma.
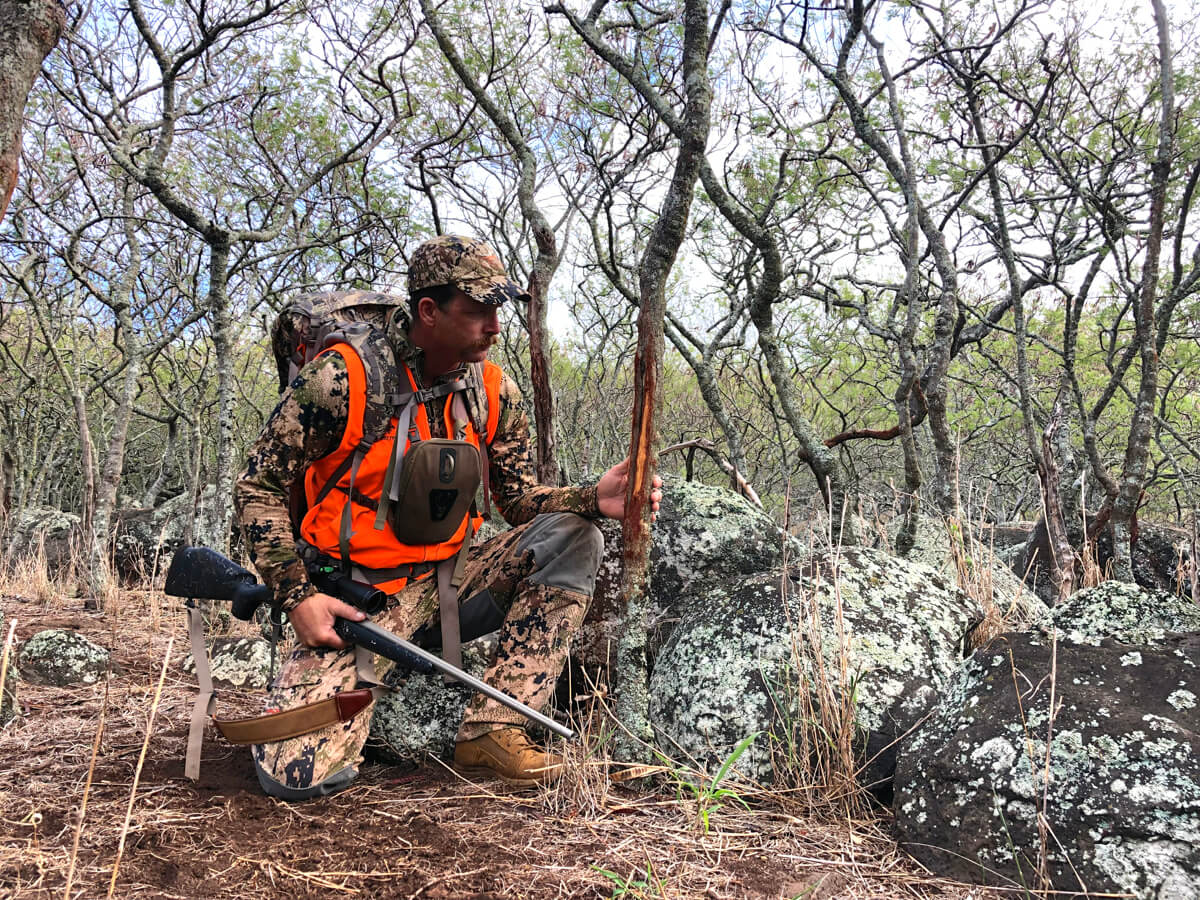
x: 341, y: 707
x: 206, y: 700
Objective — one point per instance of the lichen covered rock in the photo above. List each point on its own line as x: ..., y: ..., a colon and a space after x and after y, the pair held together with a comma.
x: 145, y: 537
x: 50, y: 532
x: 1125, y: 612
x: 744, y: 658
x: 60, y: 658
x: 243, y: 663
x: 986, y: 572
x: 1119, y: 788
x: 420, y: 718
x: 704, y: 536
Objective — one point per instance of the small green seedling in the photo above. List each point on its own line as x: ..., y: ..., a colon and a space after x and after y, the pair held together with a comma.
x: 649, y: 885
x: 708, y: 793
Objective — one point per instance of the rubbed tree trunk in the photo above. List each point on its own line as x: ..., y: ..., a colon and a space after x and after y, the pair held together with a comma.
x: 691, y: 130
x: 656, y: 263
x: 29, y: 29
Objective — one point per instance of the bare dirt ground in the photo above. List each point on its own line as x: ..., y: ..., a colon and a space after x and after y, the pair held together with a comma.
x: 423, y: 833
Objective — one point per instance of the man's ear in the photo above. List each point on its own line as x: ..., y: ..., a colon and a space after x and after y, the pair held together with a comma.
x: 426, y: 307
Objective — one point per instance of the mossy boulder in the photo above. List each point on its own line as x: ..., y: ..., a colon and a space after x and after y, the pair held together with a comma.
x: 243, y: 663
x: 60, y: 658
x: 1125, y: 612
x: 420, y: 718
x: 759, y: 653
x: 1119, y: 787
x: 704, y: 537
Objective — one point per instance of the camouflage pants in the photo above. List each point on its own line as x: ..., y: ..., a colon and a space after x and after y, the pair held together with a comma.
x: 540, y: 575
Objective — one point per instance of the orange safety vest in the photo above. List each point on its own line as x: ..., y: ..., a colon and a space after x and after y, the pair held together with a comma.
x: 370, y: 547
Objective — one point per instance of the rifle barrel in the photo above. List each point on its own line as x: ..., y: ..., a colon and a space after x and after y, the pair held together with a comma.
x: 381, y: 641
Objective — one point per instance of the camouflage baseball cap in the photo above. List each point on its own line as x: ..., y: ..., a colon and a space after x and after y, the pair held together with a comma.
x: 469, y: 264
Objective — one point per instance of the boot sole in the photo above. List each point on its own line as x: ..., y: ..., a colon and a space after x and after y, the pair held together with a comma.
x: 487, y: 772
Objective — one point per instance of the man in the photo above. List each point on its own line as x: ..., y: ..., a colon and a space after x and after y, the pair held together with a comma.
x: 538, y: 577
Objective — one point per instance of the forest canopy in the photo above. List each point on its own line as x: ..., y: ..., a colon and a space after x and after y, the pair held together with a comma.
x: 939, y: 256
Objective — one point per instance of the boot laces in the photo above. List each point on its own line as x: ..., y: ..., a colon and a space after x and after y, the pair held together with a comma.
x: 518, y: 740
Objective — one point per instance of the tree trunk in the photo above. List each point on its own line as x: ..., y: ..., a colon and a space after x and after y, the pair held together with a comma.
x: 8, y: 468
x: 195, y: 484
x: 910, y: 504
x: 820, y: 458
x: 114, y: 455
x: 1137, y: 449
x: 29, y: 29
x: 655, y: 267
x: 219, y: 514
x: 1062, y: 561
x: 706, y: 381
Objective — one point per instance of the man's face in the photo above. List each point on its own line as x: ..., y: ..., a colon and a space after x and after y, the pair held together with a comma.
x: 464, y: 327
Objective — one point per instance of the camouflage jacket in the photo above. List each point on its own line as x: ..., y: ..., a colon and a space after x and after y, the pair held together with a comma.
x: 308, y: 424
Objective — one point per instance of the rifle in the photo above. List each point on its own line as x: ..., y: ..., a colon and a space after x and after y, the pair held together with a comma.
x: 201, y: 573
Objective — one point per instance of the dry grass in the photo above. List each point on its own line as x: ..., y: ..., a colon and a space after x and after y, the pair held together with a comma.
x: 69, y: 780
x: 28, y: 577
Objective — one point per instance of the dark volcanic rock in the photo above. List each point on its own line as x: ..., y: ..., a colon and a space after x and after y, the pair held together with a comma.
x: 1157, y: 554
x: 1156, y: 559
x: 1120, y: 787
x: 744, y: 659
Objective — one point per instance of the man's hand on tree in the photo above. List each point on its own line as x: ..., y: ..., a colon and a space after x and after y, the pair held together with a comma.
x: 313, y: 620
x: 610, y: 492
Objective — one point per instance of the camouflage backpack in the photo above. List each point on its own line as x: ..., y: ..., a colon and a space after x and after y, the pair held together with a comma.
x: 311, y: 323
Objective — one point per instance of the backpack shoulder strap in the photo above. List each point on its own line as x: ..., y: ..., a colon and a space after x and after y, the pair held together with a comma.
x: 477, y: 400
x: 380, y: 369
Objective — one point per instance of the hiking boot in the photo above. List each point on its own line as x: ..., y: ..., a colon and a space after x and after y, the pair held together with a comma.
x: 508, y: 754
